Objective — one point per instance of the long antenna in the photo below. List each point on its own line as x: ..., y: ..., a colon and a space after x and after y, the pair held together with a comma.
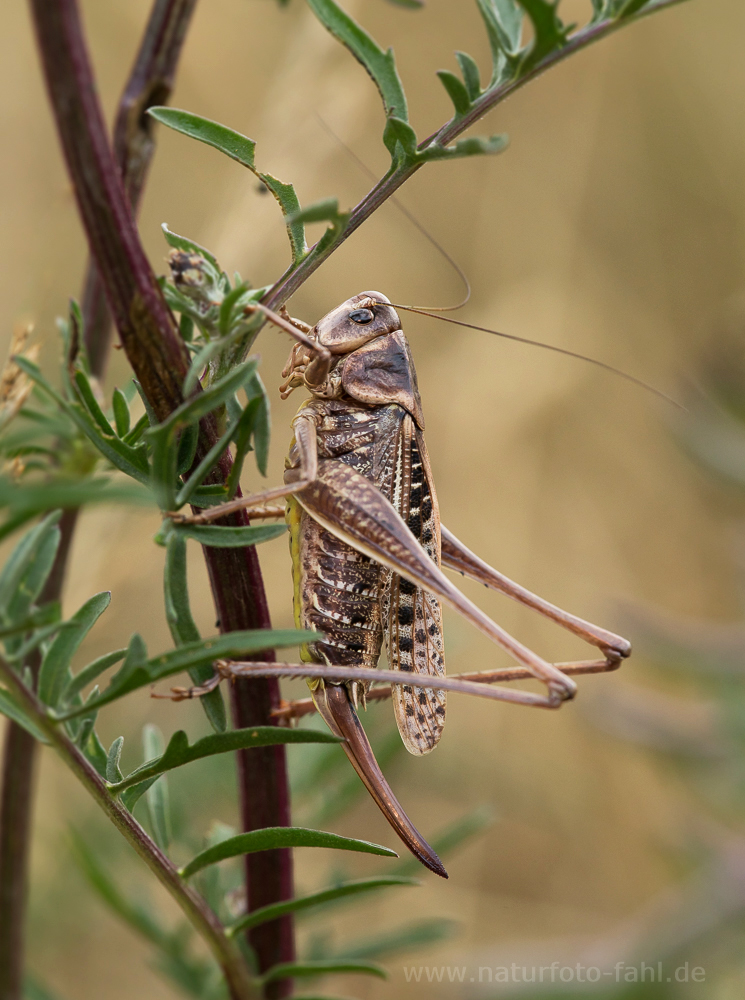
x: 413, y: 220
x: 433, y: 311
x: 547, y: 347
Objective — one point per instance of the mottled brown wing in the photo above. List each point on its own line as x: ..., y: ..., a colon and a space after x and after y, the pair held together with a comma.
x: 412, y: 618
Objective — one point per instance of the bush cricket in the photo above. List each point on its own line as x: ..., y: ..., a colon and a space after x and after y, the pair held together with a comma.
x: 367, y: 550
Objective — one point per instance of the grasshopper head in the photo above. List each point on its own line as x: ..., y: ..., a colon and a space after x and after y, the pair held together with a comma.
x: 356, y: 322
x: 366, y: 357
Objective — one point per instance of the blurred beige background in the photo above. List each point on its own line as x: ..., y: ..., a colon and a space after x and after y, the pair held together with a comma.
x: 613, y: 225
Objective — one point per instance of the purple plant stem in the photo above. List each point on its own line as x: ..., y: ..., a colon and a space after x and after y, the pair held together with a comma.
x: 15, y: 842
x: 157, y: 354
x: 20, y: 752
x: 150, y: 82
x: 160, y: 362
x: 235, y: 577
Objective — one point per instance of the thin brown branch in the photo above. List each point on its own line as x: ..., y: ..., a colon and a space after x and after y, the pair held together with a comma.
x: 195, y: 909
x: 150, y: 82
x: 16, y: 805
x: 295, y: 277
x: 146, y: 326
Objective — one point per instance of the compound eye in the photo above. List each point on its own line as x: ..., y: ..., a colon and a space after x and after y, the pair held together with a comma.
x: 362, y: 315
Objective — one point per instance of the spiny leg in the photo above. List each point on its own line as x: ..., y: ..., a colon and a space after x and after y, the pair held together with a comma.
x: 296, y: 709
x: 479, y: 684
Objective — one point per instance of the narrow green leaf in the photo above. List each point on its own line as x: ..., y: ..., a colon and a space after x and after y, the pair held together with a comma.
x: 138, y: 430
x: 206, y: 466
x: 225, y: 316
x: 200, y: 361
x: 401, y: 939
x: 183, y: 627
x: 31, y: 583
x: 164, y: 467
x: 550, y: 33
x: 178, y: 752
x: 19, y: 562
x: 11, y: 710
x: 187, y: 245
x: 262, y: 423
x: 186, y: 328
x: 65, y: 493
x: 86, y: 723
x: 121, y: 412
x: 18, y: 653
x: 194, y: 409
x: 457, y: 92
x: 316, y: 899
x: 178, y: 611
x: 288, y: 202
x: 181, y: 303
x: 47, y: 614
x: 187, y: 448
x: 91, y: 403
x: 131, y: 796
x: 321, y: 967
x: 243, y: 433
x: 379, y: 64
x: 156, y: 796
x: 504, y: 26
x: 113, y: 771
x: 409, y: 4
x: 399, y: 132
x: 55, y: 675
x: 325, y: 210
x: 219, y: 537
x: 95, y: 753
x: 473, y: 146
x: 272, y: 838
x: 132, y: 461
x: 210, y: 495
x: 135, y: 661
x: 90, y: 672
x: 226, y: 140
x: 137, y: 671
x: 128, y: 459
x: 471, y: 75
